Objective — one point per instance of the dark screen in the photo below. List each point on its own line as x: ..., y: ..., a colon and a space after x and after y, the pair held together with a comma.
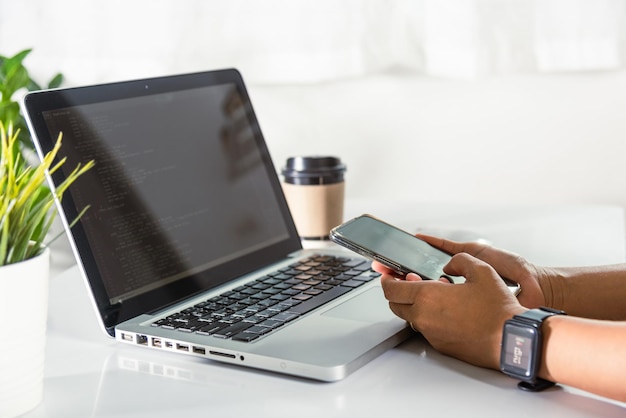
x: 179, y: 186
x: 518, y: 348
x: 396, y: 245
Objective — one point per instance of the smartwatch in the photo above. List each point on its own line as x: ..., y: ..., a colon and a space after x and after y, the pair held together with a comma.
x: 520, y: 355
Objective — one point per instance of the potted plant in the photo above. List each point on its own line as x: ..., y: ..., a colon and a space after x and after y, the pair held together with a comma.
x: 26, y: 200
x: 26, y: 214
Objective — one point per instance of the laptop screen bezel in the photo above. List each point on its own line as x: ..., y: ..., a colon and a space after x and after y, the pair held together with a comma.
x: 34, y: 105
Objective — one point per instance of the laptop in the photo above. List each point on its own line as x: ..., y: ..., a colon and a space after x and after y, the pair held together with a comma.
x: 188, y: 245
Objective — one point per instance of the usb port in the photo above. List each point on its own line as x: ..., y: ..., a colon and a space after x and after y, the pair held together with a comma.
x: 182, y: 347
x: 199, y: 350
x: 168, y: 344
x: 156, y: 342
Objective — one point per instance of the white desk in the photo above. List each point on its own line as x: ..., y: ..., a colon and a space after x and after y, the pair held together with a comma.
x: 88, y: 374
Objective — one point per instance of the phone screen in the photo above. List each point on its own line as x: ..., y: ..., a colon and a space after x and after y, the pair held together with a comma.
x: 397, y: 249
x: 390, y: 245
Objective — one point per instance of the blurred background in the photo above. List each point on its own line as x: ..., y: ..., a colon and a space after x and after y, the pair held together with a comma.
x: 520, y: 101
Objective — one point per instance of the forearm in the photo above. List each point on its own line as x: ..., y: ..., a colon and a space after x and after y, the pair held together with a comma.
x: 590, y: 292
x: 587, y: 354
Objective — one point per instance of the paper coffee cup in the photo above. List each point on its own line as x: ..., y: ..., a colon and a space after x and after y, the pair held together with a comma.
x: 315, y: 189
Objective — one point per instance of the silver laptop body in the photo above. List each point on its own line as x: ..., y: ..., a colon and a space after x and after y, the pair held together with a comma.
x: 186, y: 213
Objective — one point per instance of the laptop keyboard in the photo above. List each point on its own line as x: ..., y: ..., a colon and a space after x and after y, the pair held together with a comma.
x: 266, y: 304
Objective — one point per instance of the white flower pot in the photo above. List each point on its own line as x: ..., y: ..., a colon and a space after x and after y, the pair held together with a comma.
x: 23, y: 317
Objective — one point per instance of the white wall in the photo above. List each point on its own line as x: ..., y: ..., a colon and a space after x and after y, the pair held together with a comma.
x: 321, y: 77
x: 516, y: 138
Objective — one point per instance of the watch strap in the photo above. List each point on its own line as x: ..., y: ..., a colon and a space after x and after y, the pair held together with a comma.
x: 537, y: 316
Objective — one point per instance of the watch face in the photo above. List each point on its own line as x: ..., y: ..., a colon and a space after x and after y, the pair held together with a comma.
x: 518, y: 347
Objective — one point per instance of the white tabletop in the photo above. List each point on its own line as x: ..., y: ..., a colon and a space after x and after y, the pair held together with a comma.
x: 88, y: 374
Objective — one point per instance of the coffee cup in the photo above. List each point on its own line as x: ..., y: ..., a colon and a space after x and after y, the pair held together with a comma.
x: 314, y: 188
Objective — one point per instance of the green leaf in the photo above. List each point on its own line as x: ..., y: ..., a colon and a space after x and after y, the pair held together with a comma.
x: 56, y: 81
x: 26, y: 202
x: 13, y: 64
x: 32, y: 86
x: 15, y: 76
x: 19, y: 57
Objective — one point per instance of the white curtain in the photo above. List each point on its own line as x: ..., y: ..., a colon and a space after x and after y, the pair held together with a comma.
x: 472, y: 38
x: 303, y: 41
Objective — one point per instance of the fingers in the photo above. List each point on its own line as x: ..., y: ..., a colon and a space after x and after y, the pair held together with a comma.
x: 412, y: 277
x: 470, y: 267
x: 381, y: 268
x: 506, y: 263
x: 453, y: 247
x: 401, y: 295
x: 407, y: 298
x: 478, y: 273
x: 398, y: 291
x: 404, y: 291
x: 479, y: 250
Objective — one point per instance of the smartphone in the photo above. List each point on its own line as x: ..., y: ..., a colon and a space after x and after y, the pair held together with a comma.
x: 397, y: 249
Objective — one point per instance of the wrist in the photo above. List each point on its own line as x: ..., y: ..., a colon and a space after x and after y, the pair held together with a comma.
x: 551, y: 282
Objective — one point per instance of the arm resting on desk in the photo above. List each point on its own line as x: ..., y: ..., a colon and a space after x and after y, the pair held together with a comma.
x: 466, y: 320
x: 585, y: 353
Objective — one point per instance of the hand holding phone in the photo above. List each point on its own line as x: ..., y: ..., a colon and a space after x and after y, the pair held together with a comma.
x: 397, y: 249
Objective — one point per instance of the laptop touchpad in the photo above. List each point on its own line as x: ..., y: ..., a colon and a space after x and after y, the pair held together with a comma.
x: 369, y: 306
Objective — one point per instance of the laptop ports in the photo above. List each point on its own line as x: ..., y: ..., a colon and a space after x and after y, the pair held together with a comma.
x: 142, y: 339
x: 199, y: 350
x: 220, y: 354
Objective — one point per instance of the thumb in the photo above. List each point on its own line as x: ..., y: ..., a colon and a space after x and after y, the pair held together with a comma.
x: 473, y: 269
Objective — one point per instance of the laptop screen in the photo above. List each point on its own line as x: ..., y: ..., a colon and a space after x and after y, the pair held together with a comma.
x: 183, y: 196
